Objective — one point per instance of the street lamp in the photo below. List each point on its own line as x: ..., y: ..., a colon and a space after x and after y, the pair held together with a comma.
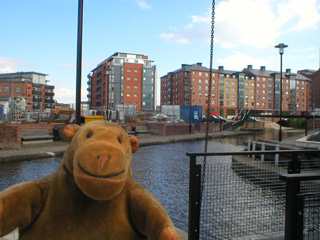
x: 281, y: 47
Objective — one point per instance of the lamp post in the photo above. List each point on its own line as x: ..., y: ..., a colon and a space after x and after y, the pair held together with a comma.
x: 281, y: 47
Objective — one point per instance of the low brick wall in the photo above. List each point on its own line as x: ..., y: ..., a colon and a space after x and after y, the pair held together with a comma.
x: 11, y: 133
x: 254, y: 125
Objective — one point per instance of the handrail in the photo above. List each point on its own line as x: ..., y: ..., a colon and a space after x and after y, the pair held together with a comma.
x: 196, y: 154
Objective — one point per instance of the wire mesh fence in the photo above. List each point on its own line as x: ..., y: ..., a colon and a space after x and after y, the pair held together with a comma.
x: 244, y: 197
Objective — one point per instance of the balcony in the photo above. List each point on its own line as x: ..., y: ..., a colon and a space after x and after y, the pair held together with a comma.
x: 35, y: 92
x: 49, y: 94
x: 49, y: 87
x: 36, y: 85
x: 89, y: 95
x: 89, y: 89
x: 36, y: 99
x: 49, y: 101
x: 36, y: 106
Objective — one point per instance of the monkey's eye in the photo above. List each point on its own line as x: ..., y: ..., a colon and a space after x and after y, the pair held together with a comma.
x: 89, y: 134
x: 119, y: 140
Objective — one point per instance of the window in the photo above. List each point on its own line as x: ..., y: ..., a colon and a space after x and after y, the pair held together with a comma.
x: 128, y: 86
x: 128, y: 78
x: 135, y: 79
x: 200, y: 81
x: 6, y: 89
x: 200, y: 88
x: 135, y: 95
x: 200, y: 74
x: 128, y: 70
x: 233, y: 103
x: 136, y: 70
x: 128, y: 95
x: 0, y: 89
x: 135, y: 87
x: 18, y: 89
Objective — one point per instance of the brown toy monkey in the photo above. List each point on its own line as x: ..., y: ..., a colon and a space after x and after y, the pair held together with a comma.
x: 92, y: 195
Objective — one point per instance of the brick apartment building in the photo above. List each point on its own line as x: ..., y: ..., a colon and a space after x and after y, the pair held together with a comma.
x: 31, y: 86
x: 257, y: 89
x: 314, y: 94
x: 123, y: 78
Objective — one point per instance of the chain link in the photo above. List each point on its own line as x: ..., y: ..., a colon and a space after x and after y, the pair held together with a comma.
x: 209, y: 103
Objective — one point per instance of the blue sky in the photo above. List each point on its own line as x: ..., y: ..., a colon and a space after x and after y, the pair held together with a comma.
x: 41, y: 35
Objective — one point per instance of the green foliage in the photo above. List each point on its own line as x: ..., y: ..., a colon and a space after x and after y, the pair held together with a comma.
x: 297, y: 123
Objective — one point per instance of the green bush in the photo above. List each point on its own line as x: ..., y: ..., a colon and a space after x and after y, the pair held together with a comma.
x: 315, y: 138
x: 297, y: 123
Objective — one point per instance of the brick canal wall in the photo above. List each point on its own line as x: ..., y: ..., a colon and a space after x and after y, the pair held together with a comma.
x: 11, y: 133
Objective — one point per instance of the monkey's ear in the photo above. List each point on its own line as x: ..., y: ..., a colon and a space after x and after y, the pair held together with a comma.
x: 70, y: 130
x: 134, y: 143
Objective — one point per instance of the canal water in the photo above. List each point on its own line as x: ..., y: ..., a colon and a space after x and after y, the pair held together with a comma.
x: 162, y: 169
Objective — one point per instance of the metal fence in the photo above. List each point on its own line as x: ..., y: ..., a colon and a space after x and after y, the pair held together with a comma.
x: 242, y: 193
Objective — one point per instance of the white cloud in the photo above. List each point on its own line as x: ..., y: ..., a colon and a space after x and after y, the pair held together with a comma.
x: 237, y: 23
x: 197, y: 30
x: 143, y: 4
x: 67, y: 95
x: 239, y: 61
x: 256, y: 23
x: 10, y: 64
x: 174, y: 37
x: 298, y: 15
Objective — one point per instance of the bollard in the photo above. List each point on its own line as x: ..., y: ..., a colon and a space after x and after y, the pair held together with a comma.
x: 263, y: 148
x: 253, y: 149
x: 277, y: 157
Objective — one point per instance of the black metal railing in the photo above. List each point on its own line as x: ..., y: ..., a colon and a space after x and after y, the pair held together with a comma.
x: 302, y: 206
x: 243, y: 195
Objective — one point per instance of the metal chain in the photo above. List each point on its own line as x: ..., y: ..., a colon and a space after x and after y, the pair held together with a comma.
x: 209, y: 104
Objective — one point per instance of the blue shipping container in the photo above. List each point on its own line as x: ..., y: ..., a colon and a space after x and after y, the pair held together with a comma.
x: 195, y: 114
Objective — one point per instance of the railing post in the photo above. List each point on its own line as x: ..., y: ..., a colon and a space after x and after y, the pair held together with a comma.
x: 292, y: 212
x: 253, y: 149
x: 249, y: 147
x: 294, y: 165
x: 263, y: 148
x: 194, y: 199
x: 277, y: 156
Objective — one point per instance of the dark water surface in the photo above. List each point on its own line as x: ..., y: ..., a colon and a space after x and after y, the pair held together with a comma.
x: 162, y: 169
